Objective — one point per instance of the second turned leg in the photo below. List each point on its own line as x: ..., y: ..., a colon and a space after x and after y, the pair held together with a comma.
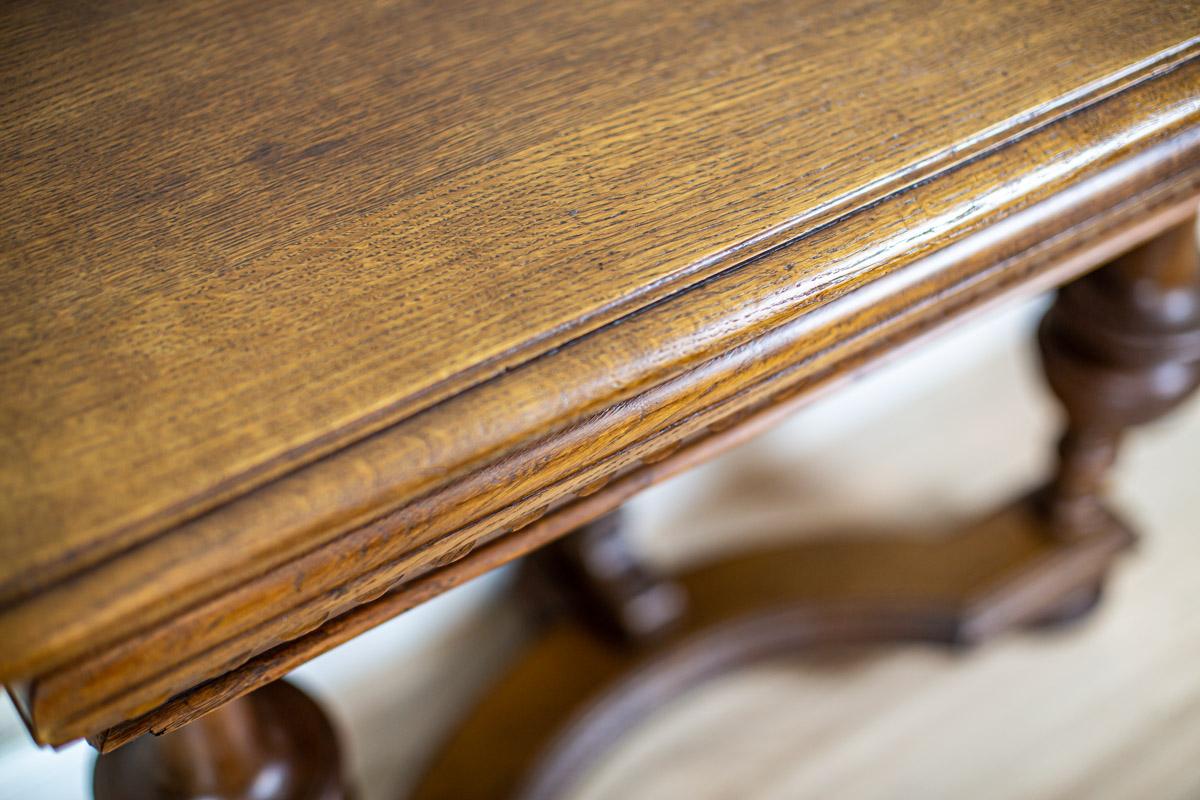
x: 272, y: 744
x: 1120, y: 347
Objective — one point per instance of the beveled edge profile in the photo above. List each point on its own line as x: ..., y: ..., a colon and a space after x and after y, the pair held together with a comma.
x: 1127, y: 219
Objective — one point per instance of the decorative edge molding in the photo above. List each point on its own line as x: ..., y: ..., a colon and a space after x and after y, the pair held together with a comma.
x: 1035, y: 242
x: 281, y: 660
x: 782, y: 234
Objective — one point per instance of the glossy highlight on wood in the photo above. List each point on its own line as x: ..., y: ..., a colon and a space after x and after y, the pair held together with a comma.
x: 311, y: 312
x: 266, y: 206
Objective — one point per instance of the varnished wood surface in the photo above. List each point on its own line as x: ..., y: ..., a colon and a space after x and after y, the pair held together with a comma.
x: 243, y: 239
x: 237, y: 235
x: 181, y: 650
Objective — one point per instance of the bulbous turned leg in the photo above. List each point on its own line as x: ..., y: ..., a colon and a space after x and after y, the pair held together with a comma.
x: 1120, y: 347
x: 273, y: 744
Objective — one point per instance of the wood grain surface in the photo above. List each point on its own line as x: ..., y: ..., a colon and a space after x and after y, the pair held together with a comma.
x: 237, y: 235
x: 300, y: 303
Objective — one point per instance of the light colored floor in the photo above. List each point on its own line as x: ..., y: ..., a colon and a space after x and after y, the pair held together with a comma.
x: 1111, y: 710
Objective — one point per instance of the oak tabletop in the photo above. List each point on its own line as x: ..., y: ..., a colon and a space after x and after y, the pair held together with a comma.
x: 269, y: 269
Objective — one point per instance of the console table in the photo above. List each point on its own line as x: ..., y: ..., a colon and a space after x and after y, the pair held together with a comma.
x: 313, y: 311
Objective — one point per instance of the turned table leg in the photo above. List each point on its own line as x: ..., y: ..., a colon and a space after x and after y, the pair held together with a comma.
x: 1120, y: 347
x: 273, y: 744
